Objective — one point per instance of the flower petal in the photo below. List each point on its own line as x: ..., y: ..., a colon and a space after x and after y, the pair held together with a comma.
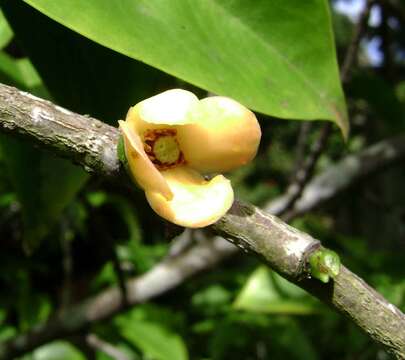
x: 171, y: 108
x: 196, y: 201
x: 142, y: 169
x: 223, y: 135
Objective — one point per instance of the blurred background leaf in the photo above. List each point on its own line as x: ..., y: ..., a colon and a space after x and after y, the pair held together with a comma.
x: 57, y: 350
x: 155, y: 340
x: 5, y: 31
x: 267, y: 292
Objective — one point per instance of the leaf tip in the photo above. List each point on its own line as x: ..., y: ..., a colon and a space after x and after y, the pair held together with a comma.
x: 341, y: 119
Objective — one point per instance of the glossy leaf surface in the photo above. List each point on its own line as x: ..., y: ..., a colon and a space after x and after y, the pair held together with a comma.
x: 276, y: 57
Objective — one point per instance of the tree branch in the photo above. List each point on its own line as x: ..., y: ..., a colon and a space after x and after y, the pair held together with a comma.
x: 93, y: 145
x: 344, y: 174
x: 285, y: 250
x: 86, y: 141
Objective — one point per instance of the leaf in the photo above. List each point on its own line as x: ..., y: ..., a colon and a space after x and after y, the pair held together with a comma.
x: 214, y: 296
x: 57, y: 350
x: 156, y: 341
x: 22, y: 74
x: 267, y: 292
x: 277, y: 57
x: 9, y: 71
x: 6, y: 331
x: 5, y: 31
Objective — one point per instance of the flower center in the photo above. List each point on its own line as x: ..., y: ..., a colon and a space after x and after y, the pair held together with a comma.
x: 166, y: 149
x: 162, y: 148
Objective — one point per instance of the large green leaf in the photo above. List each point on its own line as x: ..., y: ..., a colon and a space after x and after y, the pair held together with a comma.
x: 276, y: 57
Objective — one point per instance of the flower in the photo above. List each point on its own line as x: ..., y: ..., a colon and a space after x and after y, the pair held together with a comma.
x: 173, y: 138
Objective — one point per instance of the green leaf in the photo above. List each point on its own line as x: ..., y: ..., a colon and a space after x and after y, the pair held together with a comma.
x: 214, y: 296
x: 20, y: 73
x: 5, y: 31
x: 6, y: 331
x: 9, y: 71
x: 267, y: 292
x: 57, y: 350
x: 155, y: 341
x: 277, y: 57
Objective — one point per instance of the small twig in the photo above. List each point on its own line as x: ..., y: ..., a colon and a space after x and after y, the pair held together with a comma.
x: 353, y: 49
x: 181, y: 243
x: 98, y: 344
x: 305, y: 172
x: 345, y: 173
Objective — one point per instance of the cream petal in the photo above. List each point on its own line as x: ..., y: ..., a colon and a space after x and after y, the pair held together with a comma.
x: 223, y: 135
x: 142, y: 169
x: 164, y: 110
x: 196, y: 201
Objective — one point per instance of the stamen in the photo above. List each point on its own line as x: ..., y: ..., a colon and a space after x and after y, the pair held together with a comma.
x: 162, y: 148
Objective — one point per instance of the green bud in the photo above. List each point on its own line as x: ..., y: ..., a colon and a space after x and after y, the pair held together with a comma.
x: 324, y: 264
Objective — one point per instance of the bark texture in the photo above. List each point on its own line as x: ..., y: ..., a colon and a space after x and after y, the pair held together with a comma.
x: 86, y: 141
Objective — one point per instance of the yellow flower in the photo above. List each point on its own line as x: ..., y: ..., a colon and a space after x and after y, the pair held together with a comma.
x: 171, y: 139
